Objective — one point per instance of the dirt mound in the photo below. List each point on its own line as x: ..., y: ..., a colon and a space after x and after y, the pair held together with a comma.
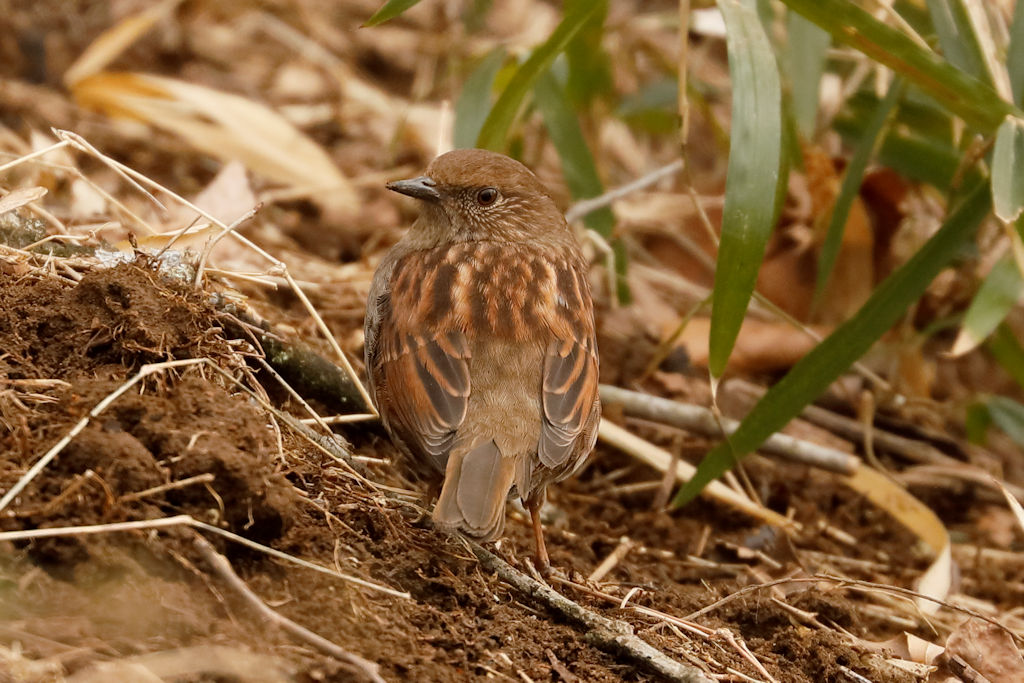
x: 189, y: 443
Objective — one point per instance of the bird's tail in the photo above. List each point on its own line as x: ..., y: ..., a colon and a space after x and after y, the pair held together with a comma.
x: 476, y: 486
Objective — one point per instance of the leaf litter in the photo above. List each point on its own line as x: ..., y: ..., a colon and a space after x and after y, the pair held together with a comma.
x: 187, y: 441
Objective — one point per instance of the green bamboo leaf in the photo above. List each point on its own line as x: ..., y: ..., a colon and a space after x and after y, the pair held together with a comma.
x: 977, y: 420
x: 1008, y: 352
x: 755, y: 159
x: 654, y: 107
x: 958, y: 39
x: 390, y: 10
x: 1008, y: 170
x: 578, y: 166
x: 997, y: 295
x: 966, y: 96
x: 852, y: 178
x: 506, y: 109
x: 1015, y: 54
x: 819, y: 368
x: 918, y: 145
x: 590, y: 69
x: 1008, y: 415
x: 475, y: 99
x: 806, y: 51
x: 577, y: 162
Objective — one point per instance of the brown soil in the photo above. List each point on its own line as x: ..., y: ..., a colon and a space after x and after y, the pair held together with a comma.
x: 71, y: 604
x: 109, y: 596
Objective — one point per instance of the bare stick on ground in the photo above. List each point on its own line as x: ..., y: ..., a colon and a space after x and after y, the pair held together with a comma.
x: 701, y: 420
x: 614, y: 637
x: 220, y: 564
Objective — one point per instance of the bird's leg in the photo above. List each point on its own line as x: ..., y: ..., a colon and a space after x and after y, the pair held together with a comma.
x: 534, y: 504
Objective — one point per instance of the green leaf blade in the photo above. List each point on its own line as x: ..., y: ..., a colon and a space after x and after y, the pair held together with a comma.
x: 961, y: 93
x: 958, y: 39
x: 1015, y: 54
x: 1006, y: 348
x: 389, y: 10
x: 807, y: 50
x: 474, y: 101
x: 1008, y: 170
x: 997, y: 295
x: 827, y: 361
x: 494, y: 131
x: 755, y: 159
x: 1008, y: 415
x: 578, y: 166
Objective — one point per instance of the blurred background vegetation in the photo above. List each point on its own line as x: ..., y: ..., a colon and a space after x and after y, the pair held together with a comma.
x: 858, y: 108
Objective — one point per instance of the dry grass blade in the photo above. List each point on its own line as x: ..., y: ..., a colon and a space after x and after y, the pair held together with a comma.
x: 34, y: 155
x: 115, y: 40
x: 937, y: 580
x: 186, y: 520
x: 226, y: 126
x: 47, y: 457
x: 220, y: 564
x: 611, y: 433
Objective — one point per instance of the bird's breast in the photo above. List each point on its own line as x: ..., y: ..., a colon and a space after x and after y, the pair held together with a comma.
x: 490, y: 290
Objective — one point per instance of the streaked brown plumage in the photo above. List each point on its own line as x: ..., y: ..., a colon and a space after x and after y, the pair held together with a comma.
x: 480, y: 344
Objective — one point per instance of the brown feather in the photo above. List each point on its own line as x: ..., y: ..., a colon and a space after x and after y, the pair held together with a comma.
x: 480, y: 340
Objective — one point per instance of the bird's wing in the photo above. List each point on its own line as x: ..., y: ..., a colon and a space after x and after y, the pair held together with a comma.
x: 427, y: 381
x: 570, y: 392
x: 419, y: 371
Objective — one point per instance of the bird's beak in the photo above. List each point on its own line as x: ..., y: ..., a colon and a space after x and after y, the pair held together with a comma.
x: 421, y: 188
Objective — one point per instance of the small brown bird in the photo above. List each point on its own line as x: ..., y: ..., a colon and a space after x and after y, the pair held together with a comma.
x: 480, y: 344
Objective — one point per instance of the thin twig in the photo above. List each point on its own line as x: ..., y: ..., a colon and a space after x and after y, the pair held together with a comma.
x: 613, y: 558
x: 204, y: 478
x: 38, y: 153
x: 222, y: 567
x: 701, y: 420
x: 855, y: 584
x: 587, y: 206
x: 189, y: 521
x: 47, y: 457
x: 614, y: 637
x: 210, y: 244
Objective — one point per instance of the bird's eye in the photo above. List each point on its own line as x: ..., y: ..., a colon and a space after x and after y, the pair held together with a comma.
x: 486, y: 196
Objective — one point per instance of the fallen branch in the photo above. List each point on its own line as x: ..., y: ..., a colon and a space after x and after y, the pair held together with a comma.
x: 308, y: 372
x: 612, y: 636
x: 702, y: 421
x: 222, y: 567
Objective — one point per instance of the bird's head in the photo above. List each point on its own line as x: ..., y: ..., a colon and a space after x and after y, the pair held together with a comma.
x: 474, y: 194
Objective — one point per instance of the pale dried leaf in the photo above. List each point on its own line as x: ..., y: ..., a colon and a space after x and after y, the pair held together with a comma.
x: 919, y: 519
x: 907, y: 647
x: 988, y: 649
x: 15, y: 199
x: 224, y: 125
x: 228, y: 195
x: 115, y: 40
x: 1015, y: 506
